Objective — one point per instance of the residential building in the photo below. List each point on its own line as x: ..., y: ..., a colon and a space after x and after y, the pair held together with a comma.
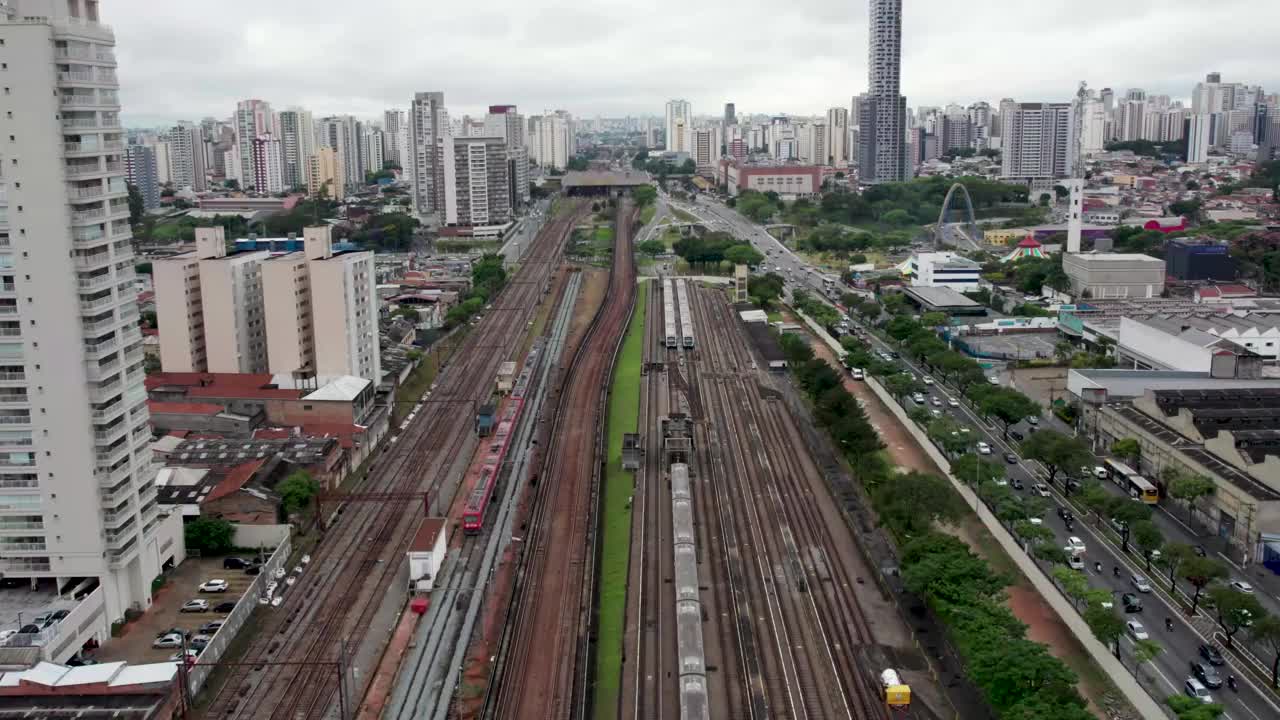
x: 140, y: 168
x: 428, y: 130
x: 730, y: 115
x: 554, y: 139
x: 706, y: 149
x: 1093, y: 127
x: 297, y: 145
x: 209, y: 308
x: 506, y: 122
x: 164, y: 163
x: 253, y: 119
x: 1114, y: 275
x: 837, y: 138
x: 1197, y: 132
x: 374, y: 149
x: 325, y: 174
x: 268, y: 172
x: 944, y: 269
x: 76, y: 472
x: 342, y: 133
x: 481, y: 190
x: 321, y: 310
x: 1038, y: 141
x: 396, y: 125
x: 679, y: 126
x: 980, y: 119
x: 882, y: 156
x: 186, y: 157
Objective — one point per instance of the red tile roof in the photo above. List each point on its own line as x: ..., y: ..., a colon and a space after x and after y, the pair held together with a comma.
x: 235, y: 479
x: 240, y: 385
x: 425, y: 539
x: 179, y: 408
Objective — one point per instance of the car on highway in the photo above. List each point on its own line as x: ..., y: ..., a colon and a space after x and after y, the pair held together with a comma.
x: 1195, y: 689
x: 1140, y: 583
x: 1017, y: 435
x: 1099, y: 472
x: 1210, y: 654
x: 1065, y: 514
x: 983, y: 448
x: 1132, y: 603
x: 171, y: 640
x: 1016, y: 484
x: 1136, y: 630
x: 1076, y: 562
x: 191, y: 606
x: 1011, y: 458
x: 927, y: 380
x: 858, y: 374
x: 1241, y: 586
x: 935, y: 413
x: 1076, y: 544
x: 935, y: 401
x: 953, y: 403
x: 918, y: 398
x: 1041, y: 489
x: 1033, y: 421
x: 1207, y: 674
x: 214, y: 586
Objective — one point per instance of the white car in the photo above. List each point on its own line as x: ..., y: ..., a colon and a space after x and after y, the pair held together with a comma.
x: 214, y: 586
x: 1140, y: 582
x: 993, y: 380
x: 935, y: 401
x: 858, y: 374
x: 953, y: 403
x: 928, y: 380
x: 1195, y: 689
x: 983, y: 448
x: 1040, y: 489
x: 918, y: 398
x: 1136, y: 630
x: 1076, y: 544
x: 1099, y: 472
x: 935, y: 413
x: 1242, y: 586
x: 1075, y: 562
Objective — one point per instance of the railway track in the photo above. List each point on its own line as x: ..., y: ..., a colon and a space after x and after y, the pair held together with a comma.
x: 297, y: 662
x: 794, y: 602
x: 542, y: 676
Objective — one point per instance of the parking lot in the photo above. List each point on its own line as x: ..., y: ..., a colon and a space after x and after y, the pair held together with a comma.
x: 1010, y: 346
x: 134, y: 645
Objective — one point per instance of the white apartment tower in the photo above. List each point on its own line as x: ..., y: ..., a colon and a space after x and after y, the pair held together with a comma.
x: 297, y: 144
x: 481, y: 189
x: 374, y: 149
x: 396, y: 126
x: 706, y: 149
x: 186, y: 157
x: 1197, y: 131
x: 268, y: 168
x: 253, y: 119
x: 679, y: 126
x: 882, y: 156
x: 428, y: 124
x: 555, y: 140
x: 77, y: 477
x: 342, y: 133
x: 322, y: 310
x: 1038, y: 140
x: 837, y: 138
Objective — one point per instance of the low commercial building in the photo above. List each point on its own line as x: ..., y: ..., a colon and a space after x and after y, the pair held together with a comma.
x: 1114, y: 275
x: 1199, y: 260
x: 943, y: 269
x: 788, y: 181
x: 1213, y: 424
x: 943, y: 299
x: 108, y: 690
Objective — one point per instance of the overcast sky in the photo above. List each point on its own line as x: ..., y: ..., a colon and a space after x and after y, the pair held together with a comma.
x: 182, y: 59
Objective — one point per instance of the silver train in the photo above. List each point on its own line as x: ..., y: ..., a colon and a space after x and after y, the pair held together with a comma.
x: 692, y: 654
x: 683, y: 315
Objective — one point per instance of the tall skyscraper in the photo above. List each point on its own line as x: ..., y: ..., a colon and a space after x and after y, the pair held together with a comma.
x: 554, y: 139
x: 505, y: 121
x: 140, y: 169
x: 77, y: 477
x: 679, y: 126
x: 1198, y: 128
x: 186, y: 157
x: 837, y: 138
x: 706, y: 149
x: 882, y: 156
x: 1038, y: 140
x: 297, y: 144
x: 396, y: 127
x: 428, y: 131
x: 480, y: 192
x: 730, y: 115
x: 343, y: 134
x: 253, y: 119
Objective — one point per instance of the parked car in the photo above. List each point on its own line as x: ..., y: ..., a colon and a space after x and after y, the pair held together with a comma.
x: 1241, y: 586
x: 993, y: 380
x: 1210, y: 654
x: 1193, y: 688
x: 1011, y: 458
x: 1206, y: 674
x: 214, y: 586
x: 1132, y: 603
x: 30, y: 629
x: 172, y: 640
x: 1136, y: 630
x: 225, y: 606
x: 253, y: 569
x: 58, y: 615
x: 1140, y: 582
x: 235, y: 563
x: 1076, y: 544
x: 195, y: 606
x: 1041, y: 489
x: 80, y: 661
x: 210, y: 628
x: 918, y: 398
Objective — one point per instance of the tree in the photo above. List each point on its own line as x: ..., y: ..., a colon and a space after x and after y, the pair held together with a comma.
x: 1190, y: 488
x: 1266, y: 632
x: 1188, y: 708
x: 1172, y: 556
x: 1126, y: 448
x: 743, y: 255
x: 1127, y: 513
x: 897, y: 217
x: 652, y: 248
x: 644, y: 195
x: 1073, y: 583
x: 1033, y: 534
x: 1008, y: 406
x: 137, y: 206
x: 1051, y: 554
x: 1147, y: 537
x: 900, y: 385
x: 1055, y: 451
x: 1234, y: 610
x: 971, y: 469
x: 296, y: 491
x: 1106, y: 626
x: 231, y: 184
x: 914, y: 501
x: 1200, y: 571
x: 933, y: 319
x: 209, y: 536
x: 1095, y: 497
x: 1144, y: 651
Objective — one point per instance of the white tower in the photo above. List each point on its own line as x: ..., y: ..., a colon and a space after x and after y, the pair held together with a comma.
x: 1075, y: 186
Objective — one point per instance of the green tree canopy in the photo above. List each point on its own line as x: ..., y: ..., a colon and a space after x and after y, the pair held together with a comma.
x: 209, y: 536
x: 1056, y: 451
x: 1200, y: 571
x: 1234, y: 610
x: 1008, y: 406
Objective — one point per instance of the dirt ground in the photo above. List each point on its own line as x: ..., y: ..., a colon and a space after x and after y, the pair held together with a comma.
x: 1041, y: 384
x: 134, y: 645
x: 1043, y: 625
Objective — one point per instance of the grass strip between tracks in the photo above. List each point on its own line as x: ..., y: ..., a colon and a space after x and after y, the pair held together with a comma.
x: 624, y: 416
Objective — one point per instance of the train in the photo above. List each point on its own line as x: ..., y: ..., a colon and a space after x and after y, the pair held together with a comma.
x: 672, y: 334
x: 482, y: 476
x: 685, y: 317
x: 689, y: 646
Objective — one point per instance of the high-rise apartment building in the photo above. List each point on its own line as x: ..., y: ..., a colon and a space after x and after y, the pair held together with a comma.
x: 212, y: 301
x: 140, y: 169
x: 186, y: 157
x: 77, y: 477
x: 882, y: 156
x: 428, y: 131
x: 297, y: 144
x: 480, y: 193
x: 679, y: 126
x: 342, y: 133
x: 506, y: 122
x: 554, y: 138
x: 253, y: 119
x: 837, y: 138
x: 268, y: 171
x: 1198, y: 134
x: 980, y: 120
x: 374, y: 149
x: 1038, y: 140
x: 730, y: 115
x: 324, y: 173
x: 322, y: 310
x: 1132, y: 117
x: 396, y: 126
x: 706, y: 150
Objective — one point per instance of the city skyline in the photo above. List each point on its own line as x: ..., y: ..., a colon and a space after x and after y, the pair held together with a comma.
x: 288, y: 53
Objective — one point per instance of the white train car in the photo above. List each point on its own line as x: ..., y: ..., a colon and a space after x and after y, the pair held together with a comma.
x: 672, y: 331
x: 686, y: 318
x: 689, y: 644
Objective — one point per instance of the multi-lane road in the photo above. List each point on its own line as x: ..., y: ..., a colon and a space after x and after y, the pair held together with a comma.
x: 1170, y: 668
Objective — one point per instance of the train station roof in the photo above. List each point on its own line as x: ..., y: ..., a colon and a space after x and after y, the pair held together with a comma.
x: 603, y: 179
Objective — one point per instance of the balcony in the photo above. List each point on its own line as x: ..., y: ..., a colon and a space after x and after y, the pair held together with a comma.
x: 113, y: 456
x: 87, y: 193
x: 84, y: 169
x: 91, y: 148
x: 97, y: 305
x: 117, y: 519
x: 82, y: 28
x: 13, y: 377
x: 14, y: 399
x: 113, y: 482
x: 88, y: 101
x: 93, y: 76
x: 20, y: 526
x: 15, y: 419
x: 10, y: 548
x: 97, y: 350
x: 24, y: 566
x: 96, y: 261
x: 8, y: 309
x: 97, y: 282
x: 95, y: 215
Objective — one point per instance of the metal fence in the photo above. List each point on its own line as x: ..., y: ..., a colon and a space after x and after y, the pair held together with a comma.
x: 198, y: 674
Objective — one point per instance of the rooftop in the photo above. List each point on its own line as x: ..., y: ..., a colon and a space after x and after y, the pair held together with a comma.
x: 940, y: 297
x: 600, y: 178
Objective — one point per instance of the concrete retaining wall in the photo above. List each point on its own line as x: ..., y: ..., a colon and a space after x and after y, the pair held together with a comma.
x: 1146, y: 706
x: 259, y: 536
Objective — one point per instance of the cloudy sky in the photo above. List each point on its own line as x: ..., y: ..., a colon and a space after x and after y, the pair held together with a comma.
x: 183, y: 59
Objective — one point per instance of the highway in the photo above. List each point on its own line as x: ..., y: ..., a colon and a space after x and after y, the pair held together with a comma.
x: 1170, y: 668
x: 526, y: 230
